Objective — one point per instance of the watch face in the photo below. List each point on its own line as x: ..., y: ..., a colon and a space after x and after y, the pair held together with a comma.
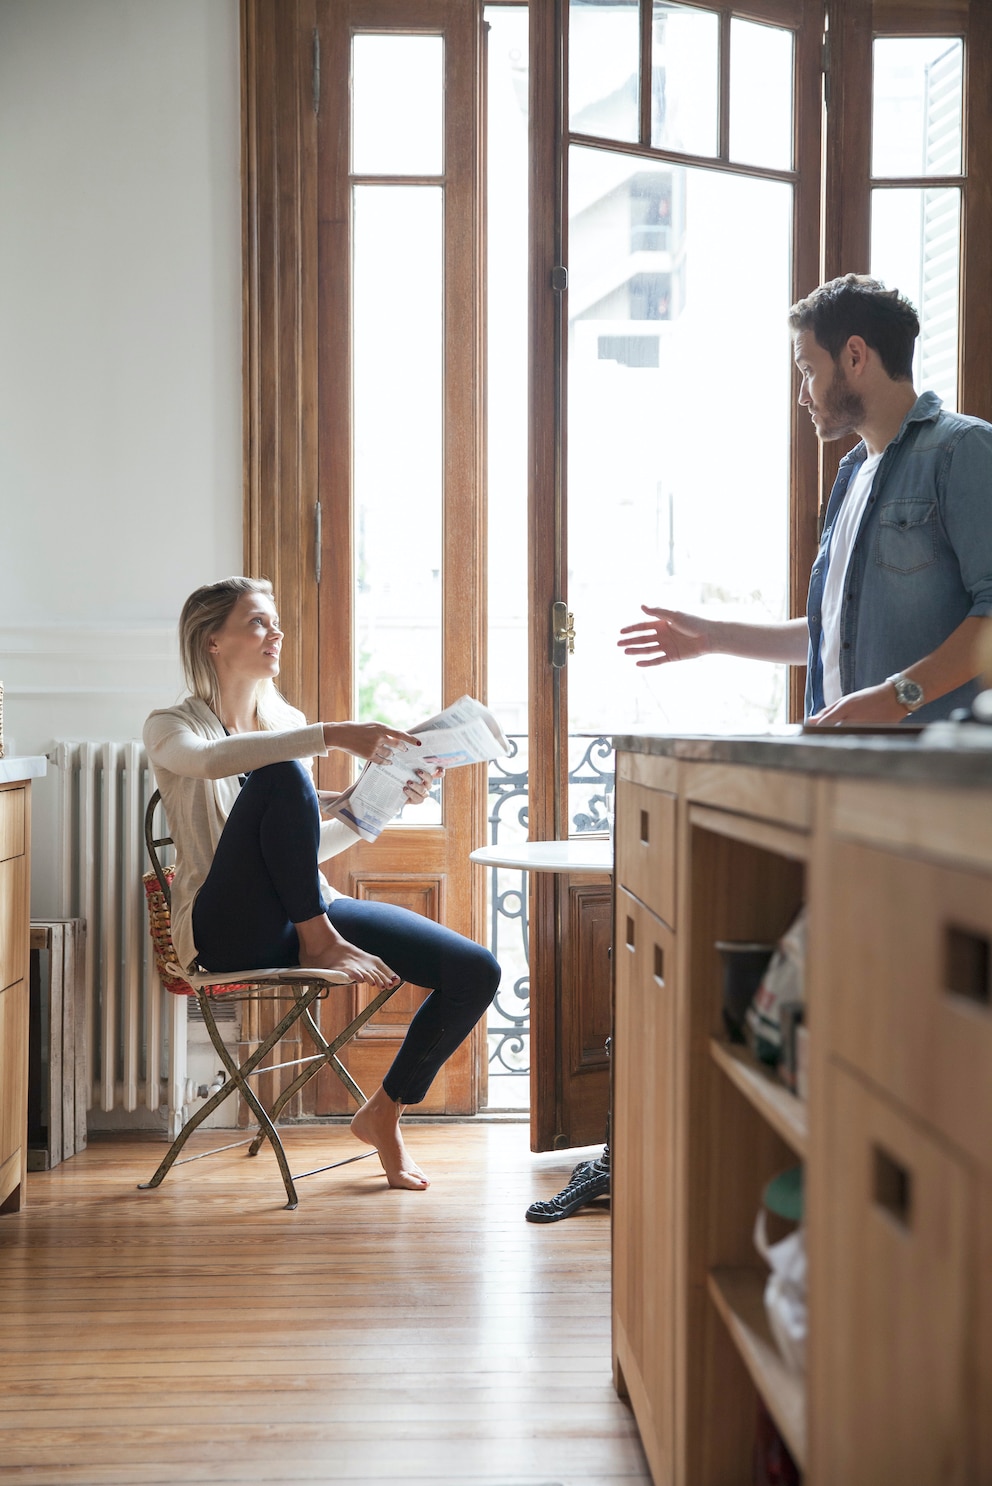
x: 909, y: 693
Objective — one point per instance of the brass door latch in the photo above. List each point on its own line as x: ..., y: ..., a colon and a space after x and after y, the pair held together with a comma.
x: 562, y: 634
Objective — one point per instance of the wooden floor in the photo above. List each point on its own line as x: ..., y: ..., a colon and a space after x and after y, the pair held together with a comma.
x: 201, y: 1333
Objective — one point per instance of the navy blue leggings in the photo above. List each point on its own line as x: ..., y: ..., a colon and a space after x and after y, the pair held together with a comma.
x: 263, y: 880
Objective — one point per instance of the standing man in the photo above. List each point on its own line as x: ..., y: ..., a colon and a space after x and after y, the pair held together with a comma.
x: 903, y: 574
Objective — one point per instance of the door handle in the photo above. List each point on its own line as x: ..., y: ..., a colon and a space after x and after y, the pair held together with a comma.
x: 562, y: 634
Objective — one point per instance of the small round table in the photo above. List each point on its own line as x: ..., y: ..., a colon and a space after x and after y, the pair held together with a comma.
x: 581, y: 855
x: 587, y: 855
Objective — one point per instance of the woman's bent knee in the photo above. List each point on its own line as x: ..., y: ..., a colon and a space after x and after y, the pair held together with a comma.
x: 485, y: 972
x: 289, y: 773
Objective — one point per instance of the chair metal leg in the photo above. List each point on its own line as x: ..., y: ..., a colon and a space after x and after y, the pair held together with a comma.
x: 329, y: 1051
x: 238, y: 1080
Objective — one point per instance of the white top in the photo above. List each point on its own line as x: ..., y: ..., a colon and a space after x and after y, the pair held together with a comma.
x: 581, y: 855
x: 841, y: 546
x: 196, y: 767
x: 16, y: 770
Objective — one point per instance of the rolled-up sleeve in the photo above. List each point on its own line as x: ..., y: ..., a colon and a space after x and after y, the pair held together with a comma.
x: 966, y: 509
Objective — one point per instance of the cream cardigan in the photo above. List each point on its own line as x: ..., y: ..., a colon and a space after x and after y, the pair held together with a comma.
x: 196, y: 769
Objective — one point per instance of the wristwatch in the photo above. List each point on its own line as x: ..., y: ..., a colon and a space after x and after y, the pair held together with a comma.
x: 909, y: 694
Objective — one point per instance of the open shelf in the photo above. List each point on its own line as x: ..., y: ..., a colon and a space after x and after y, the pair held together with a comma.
x: 738, y: 1295
x: 783, y: 1111
x: 780, y: 840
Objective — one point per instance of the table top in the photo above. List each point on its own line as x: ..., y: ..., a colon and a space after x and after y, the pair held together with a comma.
x: 582, y: 854
x: 17, y: 770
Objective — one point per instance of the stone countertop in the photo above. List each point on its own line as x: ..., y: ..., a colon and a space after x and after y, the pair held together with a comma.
x: 948, y: 753
x: 16, y: 770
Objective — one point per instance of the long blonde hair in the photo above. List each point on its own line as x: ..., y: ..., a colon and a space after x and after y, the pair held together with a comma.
x: 203, y: 614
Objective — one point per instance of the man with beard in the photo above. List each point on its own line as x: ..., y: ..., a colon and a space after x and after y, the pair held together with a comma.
x: 903, y: 574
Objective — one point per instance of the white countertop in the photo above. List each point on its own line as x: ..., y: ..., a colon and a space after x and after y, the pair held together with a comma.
x: 16, y: 770
x: 581, y: 855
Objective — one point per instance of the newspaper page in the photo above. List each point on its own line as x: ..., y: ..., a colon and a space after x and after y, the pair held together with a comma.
x: 464, y: 733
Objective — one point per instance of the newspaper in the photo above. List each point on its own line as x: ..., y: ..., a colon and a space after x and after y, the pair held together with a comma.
x: 464, y: 733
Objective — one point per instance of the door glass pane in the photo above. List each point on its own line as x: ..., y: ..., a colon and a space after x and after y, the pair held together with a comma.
x: 760, y: 95
x: 685, y: 79
x: 603, y: 68
x: 398, y: 472
x: 916, y: 106
x: 916, y: 248
x: 397, y: 104
x: 678, y: 435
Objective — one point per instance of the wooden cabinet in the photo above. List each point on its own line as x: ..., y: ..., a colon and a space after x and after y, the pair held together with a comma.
x: 15, y: 831
x: 642, y: 1175
x: 900, y: 1193
x: 896, y: 1140
x: 896, y: 1354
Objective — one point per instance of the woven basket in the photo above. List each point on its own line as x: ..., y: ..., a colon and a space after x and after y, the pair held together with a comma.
x: 160, y: 922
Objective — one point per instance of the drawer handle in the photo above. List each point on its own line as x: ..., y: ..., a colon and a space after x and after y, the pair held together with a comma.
x: 893, y: 1187
x: 967, y: 964
x: 630, y: 932
x: 659, y: 964
x: 645, y: 829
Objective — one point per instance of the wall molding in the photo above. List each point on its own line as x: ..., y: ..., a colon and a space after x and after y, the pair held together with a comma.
x: 110, y: 660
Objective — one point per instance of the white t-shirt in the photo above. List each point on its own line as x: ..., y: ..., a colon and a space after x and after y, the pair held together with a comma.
x: 841, y: 543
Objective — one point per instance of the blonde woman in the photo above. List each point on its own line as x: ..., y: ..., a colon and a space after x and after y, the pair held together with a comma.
x: 233, y: 764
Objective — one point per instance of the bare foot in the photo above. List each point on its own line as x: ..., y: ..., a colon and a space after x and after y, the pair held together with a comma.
x: 378, y: 1123
x: 322, y: 948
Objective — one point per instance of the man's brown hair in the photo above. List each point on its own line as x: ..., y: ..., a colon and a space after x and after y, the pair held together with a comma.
x: 859, y: 305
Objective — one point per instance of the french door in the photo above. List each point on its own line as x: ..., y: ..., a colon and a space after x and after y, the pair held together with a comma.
x: 675, y: 194
x: 675, y: 212
x: 401, y: 489
x: 365, y: 473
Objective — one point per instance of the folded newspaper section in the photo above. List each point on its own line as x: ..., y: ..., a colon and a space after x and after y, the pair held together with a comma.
x: 464, y: 733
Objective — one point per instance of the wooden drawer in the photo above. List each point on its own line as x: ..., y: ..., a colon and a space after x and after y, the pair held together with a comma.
x: 769, y: 794
x: 643, y: 1174
x: 13, y: 1086
x: 14, y: 917
x: 645, y: 846
x: 12, y: 815
x: 909, y: 992
x: 897, y: 1374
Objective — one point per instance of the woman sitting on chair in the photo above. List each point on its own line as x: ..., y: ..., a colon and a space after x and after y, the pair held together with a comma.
x: 233, y: 764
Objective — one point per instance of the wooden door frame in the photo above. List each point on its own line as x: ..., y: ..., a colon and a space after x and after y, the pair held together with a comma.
x: 854, y: 24
x: 279, y: 322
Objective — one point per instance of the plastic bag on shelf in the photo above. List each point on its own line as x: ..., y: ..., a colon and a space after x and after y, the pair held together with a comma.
x: 782, y: 985
x: 785, y: 1291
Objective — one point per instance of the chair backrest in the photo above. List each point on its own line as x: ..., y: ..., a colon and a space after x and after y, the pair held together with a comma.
x: 153, y: 843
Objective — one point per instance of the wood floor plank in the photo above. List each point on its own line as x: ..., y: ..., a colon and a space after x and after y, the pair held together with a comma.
x: 201, y: 1333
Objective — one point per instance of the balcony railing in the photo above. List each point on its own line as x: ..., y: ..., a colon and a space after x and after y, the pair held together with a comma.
x: 590, y: 792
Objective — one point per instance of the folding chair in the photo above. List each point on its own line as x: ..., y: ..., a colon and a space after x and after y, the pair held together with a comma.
x: 304, y: 984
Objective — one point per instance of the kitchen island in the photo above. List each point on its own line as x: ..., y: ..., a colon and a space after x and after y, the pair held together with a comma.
x: 886, y: 841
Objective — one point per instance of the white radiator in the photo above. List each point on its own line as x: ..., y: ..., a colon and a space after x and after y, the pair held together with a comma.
x: 133, y: 1026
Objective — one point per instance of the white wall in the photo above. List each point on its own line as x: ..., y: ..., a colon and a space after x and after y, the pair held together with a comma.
x: 120, y: 359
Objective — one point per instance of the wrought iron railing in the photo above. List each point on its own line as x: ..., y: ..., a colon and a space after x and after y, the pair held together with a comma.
x: 590, y: 793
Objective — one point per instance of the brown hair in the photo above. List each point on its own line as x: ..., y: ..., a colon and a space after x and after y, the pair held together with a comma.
x: 203, y: 614
x: 859, y: 305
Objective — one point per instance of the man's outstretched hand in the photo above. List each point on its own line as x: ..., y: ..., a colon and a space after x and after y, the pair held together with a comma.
x: 668, y: 635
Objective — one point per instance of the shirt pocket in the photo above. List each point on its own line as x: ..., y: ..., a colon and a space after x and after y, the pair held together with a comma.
x: 907, y: 535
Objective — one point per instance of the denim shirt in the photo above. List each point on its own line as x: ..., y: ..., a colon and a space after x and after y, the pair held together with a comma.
x: 922, y: 557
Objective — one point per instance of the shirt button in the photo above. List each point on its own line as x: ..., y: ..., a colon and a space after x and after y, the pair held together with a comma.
x: 845, y: 646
